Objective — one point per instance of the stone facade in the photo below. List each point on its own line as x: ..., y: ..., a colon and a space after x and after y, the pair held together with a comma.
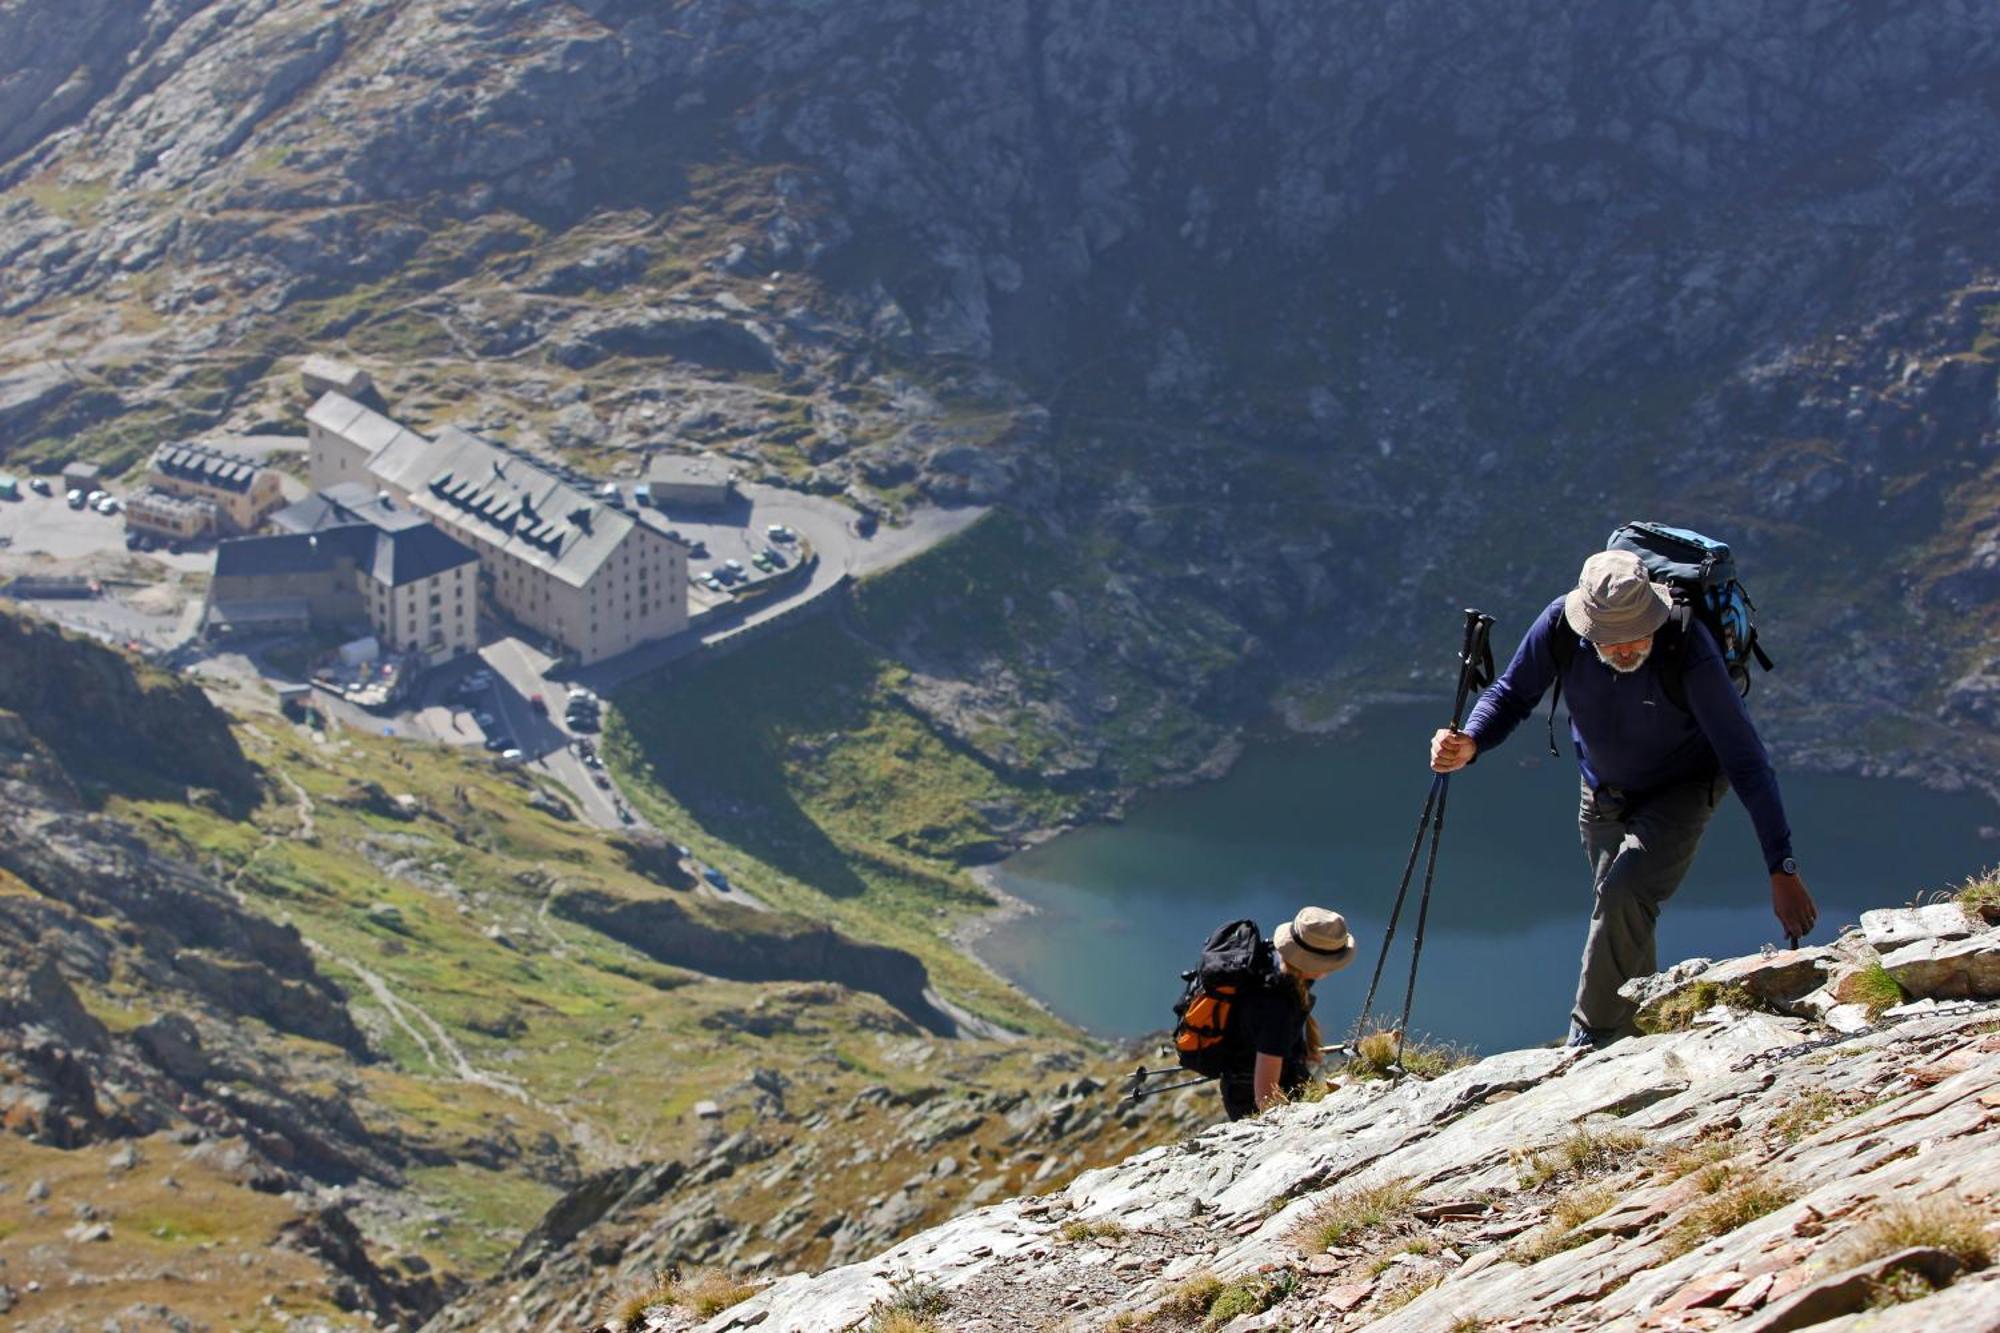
x: 582, y: 573
x: 242, y: 491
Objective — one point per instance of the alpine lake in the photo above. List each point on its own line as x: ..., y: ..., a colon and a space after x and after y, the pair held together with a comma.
x: 1119, y: 911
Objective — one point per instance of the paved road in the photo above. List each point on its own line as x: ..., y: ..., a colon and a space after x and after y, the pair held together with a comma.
x: 827, y: 526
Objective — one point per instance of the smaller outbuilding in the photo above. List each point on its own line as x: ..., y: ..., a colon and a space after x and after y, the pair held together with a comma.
x: 324, y: 374
x: 689, y: 482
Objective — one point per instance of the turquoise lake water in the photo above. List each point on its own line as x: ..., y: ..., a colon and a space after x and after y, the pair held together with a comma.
x: 1122, y: 909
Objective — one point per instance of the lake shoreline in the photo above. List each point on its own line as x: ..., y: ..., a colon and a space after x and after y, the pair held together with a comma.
x: 1097, y: 933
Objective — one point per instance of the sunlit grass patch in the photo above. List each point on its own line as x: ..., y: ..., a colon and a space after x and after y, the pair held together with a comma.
x: 1874, y: 989
x: 1980, y: 895
x: 1721, y: 1213
x: 1586, y: 1152
x: 1350, y: 1213
x: 1678, y: 1011
x: 1941, y: 1223
x: 1375, y: 1055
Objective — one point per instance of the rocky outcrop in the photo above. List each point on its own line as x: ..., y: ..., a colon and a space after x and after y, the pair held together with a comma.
x: 742, y: 943
x: 1535, y: 1189
x: 110, y: 717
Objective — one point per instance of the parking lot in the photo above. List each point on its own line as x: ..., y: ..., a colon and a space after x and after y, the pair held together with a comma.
x: 729, y: 547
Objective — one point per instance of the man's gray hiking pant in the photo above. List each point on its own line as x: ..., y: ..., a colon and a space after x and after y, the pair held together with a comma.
x: 1640, y: 849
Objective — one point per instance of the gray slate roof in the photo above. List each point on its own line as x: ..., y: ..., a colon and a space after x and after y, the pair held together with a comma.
x: 206, y: 464
x: 391, y: 556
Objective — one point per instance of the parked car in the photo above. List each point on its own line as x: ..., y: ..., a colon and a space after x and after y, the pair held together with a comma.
x: 511, y: 756
x: 733, y: 566
x: 40, y: 486
x: 775, y: 556
x: 779, y: 532
x: 539, y: 704
x: 600, y: 778
x: 485, y: 721
x: 497, y: 744
x: 762, y: 562
x: 698, y: 549
x: 108, y: 505
x: 76, y: 499
x: 715, y: 877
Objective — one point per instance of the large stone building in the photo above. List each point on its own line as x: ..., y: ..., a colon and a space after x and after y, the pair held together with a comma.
x: 552, y: 556
x: 349, y: 557
x: 242, y: 491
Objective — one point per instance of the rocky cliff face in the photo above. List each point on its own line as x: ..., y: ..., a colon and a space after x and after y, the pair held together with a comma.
x: 1223, y: 299
x: 109, y: 716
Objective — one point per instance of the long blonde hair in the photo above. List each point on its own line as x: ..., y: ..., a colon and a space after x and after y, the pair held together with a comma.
x: 1303, y: 995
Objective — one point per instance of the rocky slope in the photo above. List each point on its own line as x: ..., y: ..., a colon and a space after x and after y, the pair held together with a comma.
x: 1743, y: 1168
x: 1221, y: 299
x: 111, y: 717
x: 322, y: 1060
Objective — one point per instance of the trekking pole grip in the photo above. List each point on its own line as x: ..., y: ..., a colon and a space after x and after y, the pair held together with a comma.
x: 1467, y: 655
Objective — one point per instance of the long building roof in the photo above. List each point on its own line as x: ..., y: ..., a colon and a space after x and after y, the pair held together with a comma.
x: 207, y: 465
x: 523, y: 508
x: 392, y: 556
x: 527, y: 509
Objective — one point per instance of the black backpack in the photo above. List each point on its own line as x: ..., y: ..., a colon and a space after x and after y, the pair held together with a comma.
x: 1236, y: 960
x: 1700, y: 574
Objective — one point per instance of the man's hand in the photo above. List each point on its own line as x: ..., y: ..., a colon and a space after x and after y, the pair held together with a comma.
x: 1451, y: 751
x: 1792, y: 905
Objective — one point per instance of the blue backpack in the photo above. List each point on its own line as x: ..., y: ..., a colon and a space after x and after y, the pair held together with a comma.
x: 1700, y: 574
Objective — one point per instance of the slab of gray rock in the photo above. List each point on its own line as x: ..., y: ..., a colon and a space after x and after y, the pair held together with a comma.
x: 1948, y: 969
x: 1892, y: 928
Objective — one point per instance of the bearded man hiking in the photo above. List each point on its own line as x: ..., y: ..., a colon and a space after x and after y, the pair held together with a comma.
x: 1656, y: 757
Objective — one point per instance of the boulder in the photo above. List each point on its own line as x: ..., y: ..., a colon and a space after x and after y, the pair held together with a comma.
x: 1949, y: 969
x: 1892, y: 928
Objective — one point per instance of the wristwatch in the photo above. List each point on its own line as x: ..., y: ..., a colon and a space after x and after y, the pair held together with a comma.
x: 1788, y: 866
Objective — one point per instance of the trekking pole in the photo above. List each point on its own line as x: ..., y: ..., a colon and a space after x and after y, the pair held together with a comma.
x: 1465, y: 658
x: 1140, y: 1094
x: 1135, y: 1088
x: 1478, y: 662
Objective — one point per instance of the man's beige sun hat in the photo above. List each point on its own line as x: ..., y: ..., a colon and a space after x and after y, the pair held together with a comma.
x: 1315, y: 942
x: 1614, y: 601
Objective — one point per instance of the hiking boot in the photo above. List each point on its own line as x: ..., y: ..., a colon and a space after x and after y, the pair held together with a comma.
x: 1589, y: 1039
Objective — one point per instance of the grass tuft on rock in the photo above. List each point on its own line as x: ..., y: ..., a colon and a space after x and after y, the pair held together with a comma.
x: 1942, y: 1223
x: 912, y: 1306
x: 1375, y: 1055
x: 1587, y: 1152
x: 1249, y: 1295
x: 1572, y: 1209
x: 1980, y: 896
x: 1684, y: 1159
x: 1807, y: 1114
x: 1354, y: 1212
x: 1078, y: 1229
x: 1875, y: 990
x: 705, y: 1293
x: 1678, y: 1011
x: 1719, y: 1214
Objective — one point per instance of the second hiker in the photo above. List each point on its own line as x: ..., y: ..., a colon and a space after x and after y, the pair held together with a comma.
x: 1656, y: 757
x: 1276, y: 1040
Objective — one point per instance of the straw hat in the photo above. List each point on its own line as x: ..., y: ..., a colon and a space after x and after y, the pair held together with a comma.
x: 1315, y: 943
x: 1614, y: 601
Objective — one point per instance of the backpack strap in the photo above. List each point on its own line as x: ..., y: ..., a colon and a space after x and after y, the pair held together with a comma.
x: 1670, y: 643
x: 1563, y: 643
